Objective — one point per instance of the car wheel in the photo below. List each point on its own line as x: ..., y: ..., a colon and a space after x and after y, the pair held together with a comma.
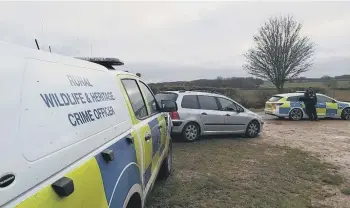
x: 253, y: 129
x: 191, y: 132
x: 167, y: 165
x: 295, y: 114
x: 345, y: 115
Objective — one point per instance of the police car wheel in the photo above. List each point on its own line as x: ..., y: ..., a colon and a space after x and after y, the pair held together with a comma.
x: 346, y: 114
x: 295, y: 114
x: 167, y: 165
x: 252, y: 129
x: 190, y: 132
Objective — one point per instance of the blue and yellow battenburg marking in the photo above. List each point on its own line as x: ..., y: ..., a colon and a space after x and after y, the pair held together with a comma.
x: 322, y: 108
x: 99, y: 184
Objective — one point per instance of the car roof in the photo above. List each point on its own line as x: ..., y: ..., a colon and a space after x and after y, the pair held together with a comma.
x: 289, y: 94
x: 195, y: 93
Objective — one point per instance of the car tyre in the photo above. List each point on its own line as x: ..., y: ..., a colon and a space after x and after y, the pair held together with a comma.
x: 190, y: 132
x: 253, y: 129
x: 345, y: 115
x: 295, y: 114
x: 167, y: 165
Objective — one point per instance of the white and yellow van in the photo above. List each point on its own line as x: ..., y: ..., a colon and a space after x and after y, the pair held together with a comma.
x: 75, y: 134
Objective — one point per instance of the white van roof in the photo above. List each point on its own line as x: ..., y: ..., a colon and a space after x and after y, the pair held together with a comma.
x: 56, y: 111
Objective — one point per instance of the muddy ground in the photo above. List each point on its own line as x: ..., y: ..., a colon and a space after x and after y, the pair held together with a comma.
x: 326, y: 139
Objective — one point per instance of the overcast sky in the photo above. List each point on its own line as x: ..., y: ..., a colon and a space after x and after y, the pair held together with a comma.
x: 172, y: 41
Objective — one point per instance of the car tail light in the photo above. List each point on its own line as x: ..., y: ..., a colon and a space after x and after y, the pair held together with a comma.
x: 174, y: 115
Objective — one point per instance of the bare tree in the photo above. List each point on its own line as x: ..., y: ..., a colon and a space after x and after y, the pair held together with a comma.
x: 280, y: 53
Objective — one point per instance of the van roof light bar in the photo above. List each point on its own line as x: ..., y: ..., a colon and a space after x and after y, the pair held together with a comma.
x: 106, y: 62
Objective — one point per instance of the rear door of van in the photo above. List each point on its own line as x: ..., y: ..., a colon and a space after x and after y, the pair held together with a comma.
x: 150, y: 125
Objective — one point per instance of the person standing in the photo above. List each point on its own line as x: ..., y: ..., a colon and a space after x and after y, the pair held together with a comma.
x: 308, y: 103
x: 313, y: 102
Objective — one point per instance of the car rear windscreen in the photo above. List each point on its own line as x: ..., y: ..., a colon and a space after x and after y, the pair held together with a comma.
x: 166, y: 96
x: 275, y: 98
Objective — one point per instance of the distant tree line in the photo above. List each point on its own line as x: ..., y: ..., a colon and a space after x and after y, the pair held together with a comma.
x: 232, y: 82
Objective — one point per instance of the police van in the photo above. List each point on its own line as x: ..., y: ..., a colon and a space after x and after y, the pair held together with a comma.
x: 76, y: 134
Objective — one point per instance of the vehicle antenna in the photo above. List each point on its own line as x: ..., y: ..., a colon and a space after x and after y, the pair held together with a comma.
x: 37, y: 45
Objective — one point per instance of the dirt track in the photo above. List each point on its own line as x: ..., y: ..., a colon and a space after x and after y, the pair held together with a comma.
x: 327, y: 139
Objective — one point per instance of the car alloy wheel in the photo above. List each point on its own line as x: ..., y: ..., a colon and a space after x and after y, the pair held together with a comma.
x: 253, y: 129
x: 191, y: 132
x: 346, y: 114
x: 296, y: 114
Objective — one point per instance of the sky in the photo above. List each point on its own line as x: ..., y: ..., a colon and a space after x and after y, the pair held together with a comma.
x: 173, y: 41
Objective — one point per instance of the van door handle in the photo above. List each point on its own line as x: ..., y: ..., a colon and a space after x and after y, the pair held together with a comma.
x: 204, y: 114
x: 148, y: 137
x: 130, y: 139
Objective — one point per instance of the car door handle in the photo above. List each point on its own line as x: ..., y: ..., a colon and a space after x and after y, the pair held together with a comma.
x: 204, y: 114
x: 227, y: 115
x: 148, y: 137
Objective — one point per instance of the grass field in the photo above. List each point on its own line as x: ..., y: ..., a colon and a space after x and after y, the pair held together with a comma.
x: 242, y: 173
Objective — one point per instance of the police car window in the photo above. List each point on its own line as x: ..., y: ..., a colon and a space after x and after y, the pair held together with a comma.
x: 321, y: 98
x: 149, y: 98
x: 190, y: 101
x: 135, y: 97
x: 227, y: 105
x: 293, y: 99
x: 275, y: 98
x: 208, y: 103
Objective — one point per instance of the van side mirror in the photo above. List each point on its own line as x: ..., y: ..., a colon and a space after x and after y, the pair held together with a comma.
x: 168, y: 106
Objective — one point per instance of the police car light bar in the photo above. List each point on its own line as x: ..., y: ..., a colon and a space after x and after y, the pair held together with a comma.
x: 106, y: 62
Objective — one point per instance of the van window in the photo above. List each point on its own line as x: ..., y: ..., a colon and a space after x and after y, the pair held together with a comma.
x: 275, y: 98
x: 149, y: 98
x: 208, y: 103
x: 135, y: 97
x: 190, y: 101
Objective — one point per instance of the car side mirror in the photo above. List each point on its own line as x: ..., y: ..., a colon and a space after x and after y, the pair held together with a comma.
x: 168, y: 106
x: 333, y: 101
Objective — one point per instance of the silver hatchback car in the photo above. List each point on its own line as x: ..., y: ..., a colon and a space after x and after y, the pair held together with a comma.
x: 203, y: 113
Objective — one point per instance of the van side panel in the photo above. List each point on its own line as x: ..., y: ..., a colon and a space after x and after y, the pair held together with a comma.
x: 88, y: 191
x: 56, y: 116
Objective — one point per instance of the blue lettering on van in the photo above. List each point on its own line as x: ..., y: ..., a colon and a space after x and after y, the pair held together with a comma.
x: 66, y: 99
x: 82, y: 117
x: 76, y: 81
x: 121, y: 174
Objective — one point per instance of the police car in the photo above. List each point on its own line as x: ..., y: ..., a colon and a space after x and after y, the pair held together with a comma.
x: 76, y: 134
x: 288, y: 105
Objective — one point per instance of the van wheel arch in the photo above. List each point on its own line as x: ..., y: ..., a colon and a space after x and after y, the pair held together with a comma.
x: 135, y: 201
x: 134, y: 197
